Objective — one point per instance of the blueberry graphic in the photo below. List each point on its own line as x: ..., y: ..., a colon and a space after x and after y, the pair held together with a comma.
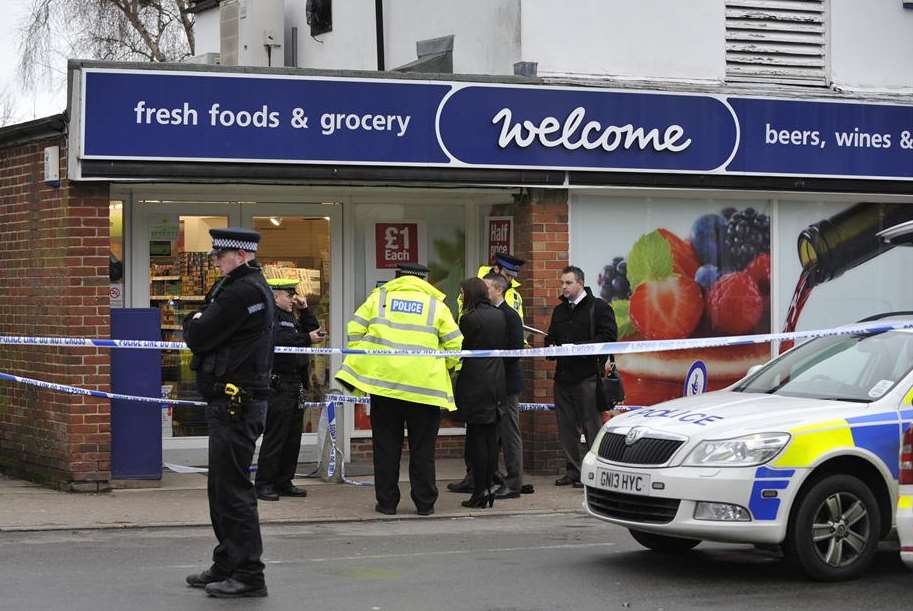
x: 707, y: 237
x: 613, y: 281
x: 706, y: 275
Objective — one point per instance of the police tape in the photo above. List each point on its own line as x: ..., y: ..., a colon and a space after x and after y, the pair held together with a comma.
x: 622, y: 347
x: 164, y: 402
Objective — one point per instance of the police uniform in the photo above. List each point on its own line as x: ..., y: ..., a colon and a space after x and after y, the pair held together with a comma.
x: 284, y: 419
x: 512, y: 296
x: 232, y: 345
x: 406, y: 392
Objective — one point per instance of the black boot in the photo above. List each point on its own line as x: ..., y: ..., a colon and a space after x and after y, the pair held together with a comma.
x: 199, y: 580
x: 232, y: 588
x: 267, y: 493
x: 463, y: 486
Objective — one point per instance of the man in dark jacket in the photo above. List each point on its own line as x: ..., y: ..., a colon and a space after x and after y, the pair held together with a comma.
x: 284, y: 418
x: 232, y: 343
x: 580, y: 318
x: 509, y: 422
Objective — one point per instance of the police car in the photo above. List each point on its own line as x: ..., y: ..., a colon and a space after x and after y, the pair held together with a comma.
x: 803, y: 453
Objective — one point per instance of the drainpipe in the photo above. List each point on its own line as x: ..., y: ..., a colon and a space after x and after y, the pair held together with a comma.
x: 379, y: 20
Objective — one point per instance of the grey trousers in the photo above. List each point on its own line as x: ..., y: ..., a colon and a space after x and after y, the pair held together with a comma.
x: 511, y: 443
x: 575, y: 405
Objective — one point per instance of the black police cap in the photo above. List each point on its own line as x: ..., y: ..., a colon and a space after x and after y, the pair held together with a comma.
x: 234, y: 238
x: 412, y: 269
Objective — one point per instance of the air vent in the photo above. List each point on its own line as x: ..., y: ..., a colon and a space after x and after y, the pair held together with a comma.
x: 777, y: 41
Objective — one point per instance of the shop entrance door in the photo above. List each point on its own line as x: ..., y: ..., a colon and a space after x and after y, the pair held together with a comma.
x: 304, y: 242
x: 173, y: 272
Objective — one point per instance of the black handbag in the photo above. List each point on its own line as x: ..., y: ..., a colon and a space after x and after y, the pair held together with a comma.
x: 610, y: 390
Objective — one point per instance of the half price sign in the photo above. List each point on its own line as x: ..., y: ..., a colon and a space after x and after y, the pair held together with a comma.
x: 395, y: 244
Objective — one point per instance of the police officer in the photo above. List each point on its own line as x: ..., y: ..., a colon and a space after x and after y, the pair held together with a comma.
x: 508, y: 266
x: 232, y: 342
x: 406, y: 392
x: 284, y: 418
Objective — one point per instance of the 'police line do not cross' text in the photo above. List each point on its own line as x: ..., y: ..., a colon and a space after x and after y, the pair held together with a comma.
x: 330, y: 122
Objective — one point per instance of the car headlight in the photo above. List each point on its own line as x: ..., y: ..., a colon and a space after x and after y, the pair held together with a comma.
x: 739, y: 452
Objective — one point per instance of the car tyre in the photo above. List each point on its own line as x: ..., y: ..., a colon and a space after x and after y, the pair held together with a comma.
x: 663, y: 543
x: 834, y: 529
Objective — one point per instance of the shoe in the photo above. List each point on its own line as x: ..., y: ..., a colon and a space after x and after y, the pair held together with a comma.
x: 387, y: 511
x: 461, y: 487
x: 267, y: 493
x: 292, y: 490
x: 199, y: 580
x: 232, y: 588
x: 503, y: 492
x: 479, y: 502
x: 425, y: 512
x: 565, y: 480
x: 577, y: 484
x: 527, y: 489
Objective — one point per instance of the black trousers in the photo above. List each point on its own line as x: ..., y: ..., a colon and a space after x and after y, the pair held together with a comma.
x: 389, y: 420
x: 232, y: 500
x: 482, y: 447
x: 282, y: 438
x: 575, y: 406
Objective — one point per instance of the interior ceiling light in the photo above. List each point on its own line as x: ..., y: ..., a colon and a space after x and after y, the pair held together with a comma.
x: 275, y: 220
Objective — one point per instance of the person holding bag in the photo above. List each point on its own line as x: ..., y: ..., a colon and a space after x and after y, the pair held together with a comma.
x: 577, y: 378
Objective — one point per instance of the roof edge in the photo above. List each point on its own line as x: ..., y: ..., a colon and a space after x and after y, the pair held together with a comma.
x: 54, y: 125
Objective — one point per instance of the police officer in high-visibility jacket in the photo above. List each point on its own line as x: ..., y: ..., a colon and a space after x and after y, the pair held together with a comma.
x: 509, y: 267
x: 406, y: 392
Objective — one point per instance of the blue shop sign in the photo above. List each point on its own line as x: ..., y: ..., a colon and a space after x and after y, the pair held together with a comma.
x: 221, y: 117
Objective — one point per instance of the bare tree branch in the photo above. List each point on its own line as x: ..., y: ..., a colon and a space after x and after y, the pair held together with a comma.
x: 138, y: 30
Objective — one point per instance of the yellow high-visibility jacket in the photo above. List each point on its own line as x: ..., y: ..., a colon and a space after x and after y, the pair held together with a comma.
x: 405, y: 313
x: 511, y: 296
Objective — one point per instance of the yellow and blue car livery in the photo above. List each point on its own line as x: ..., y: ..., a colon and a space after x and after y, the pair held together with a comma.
x: 646, y: 470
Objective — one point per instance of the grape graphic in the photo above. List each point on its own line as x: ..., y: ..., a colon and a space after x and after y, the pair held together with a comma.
x: 613, y: 281
x: 747, y: 235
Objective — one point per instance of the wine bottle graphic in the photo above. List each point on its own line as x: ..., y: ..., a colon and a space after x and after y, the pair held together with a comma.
x: 835, y: 245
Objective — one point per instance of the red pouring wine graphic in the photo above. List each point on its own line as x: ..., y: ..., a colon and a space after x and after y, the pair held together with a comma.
x: 800, y: 297
x: 836, y: 245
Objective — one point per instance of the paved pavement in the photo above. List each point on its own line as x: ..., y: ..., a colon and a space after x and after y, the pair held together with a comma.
x: 181, y: 501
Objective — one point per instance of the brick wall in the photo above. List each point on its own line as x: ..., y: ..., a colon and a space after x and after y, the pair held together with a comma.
x: 54, y: 245
x: 541, y: 218
x: 448, y: 446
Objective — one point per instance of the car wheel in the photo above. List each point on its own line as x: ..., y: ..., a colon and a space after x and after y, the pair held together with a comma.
x: 834, y: 530
x: 663, y: 543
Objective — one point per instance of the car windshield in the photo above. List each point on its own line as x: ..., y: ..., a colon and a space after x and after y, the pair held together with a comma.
x: 857, y: 368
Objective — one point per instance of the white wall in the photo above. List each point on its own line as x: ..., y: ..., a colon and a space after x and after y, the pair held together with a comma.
x: 486, y: 32
x: 652, y: 39
x: 871, y: 44
x: 206, y: 32
x: 350, y: 46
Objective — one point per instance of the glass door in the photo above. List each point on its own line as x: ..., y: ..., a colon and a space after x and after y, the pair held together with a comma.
x: 298, y: 241
x: 177, y: 277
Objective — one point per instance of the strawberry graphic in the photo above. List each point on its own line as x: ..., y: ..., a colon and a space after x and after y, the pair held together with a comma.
x: 735, y: 304
x: 667, y: 308
x: 760, y: 271
x: 684, y: 259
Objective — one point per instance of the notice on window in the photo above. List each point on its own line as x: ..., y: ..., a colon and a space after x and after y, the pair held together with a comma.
x: 395, y: 244
x: 500, y: 235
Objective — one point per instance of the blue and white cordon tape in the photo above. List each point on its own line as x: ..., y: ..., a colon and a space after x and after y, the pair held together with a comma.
x: 616, y: 348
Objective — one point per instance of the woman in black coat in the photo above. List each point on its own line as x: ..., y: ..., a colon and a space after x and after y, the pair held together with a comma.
x: 481, y: 387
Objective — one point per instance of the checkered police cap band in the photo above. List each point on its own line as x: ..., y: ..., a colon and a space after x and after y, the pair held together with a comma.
x: 228, y: 244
